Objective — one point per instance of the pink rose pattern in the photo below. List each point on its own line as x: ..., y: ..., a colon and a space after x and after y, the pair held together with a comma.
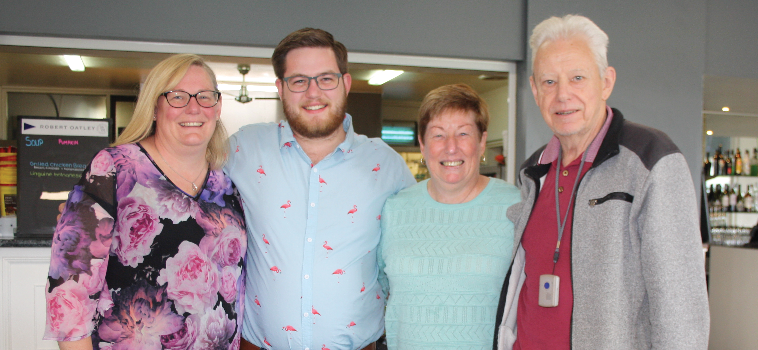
x: 136, y: 228
x: 147, y: 269
x: 192, y: 279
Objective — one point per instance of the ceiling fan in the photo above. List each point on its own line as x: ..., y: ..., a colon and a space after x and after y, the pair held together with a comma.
x: 243, y: 97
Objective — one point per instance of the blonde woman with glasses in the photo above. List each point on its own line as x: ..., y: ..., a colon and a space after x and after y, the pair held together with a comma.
x: 149, y: 250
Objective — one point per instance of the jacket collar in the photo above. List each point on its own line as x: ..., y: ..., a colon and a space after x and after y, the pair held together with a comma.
x: 608, y: 148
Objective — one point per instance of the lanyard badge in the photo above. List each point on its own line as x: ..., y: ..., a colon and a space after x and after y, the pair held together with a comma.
x: 549, y: 283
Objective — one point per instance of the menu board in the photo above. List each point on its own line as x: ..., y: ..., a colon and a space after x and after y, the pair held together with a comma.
x: 52, y: 155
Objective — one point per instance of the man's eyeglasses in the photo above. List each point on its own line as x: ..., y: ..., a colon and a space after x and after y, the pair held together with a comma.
x: 179, y: 99
x: 300, y: 83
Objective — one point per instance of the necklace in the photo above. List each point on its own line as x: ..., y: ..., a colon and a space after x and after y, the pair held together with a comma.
x: 194, y: 187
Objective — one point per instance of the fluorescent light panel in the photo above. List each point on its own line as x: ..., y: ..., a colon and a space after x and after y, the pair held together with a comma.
x: 74, y: 62
x: 384, y: 76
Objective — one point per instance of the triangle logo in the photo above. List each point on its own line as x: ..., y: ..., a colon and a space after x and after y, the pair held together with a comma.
x: 28, y: 126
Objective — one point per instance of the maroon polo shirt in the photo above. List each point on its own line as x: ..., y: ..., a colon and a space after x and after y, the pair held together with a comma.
x: 550, y: 327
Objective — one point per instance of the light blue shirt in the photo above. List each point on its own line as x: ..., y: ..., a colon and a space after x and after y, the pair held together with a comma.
x: 313, y: 231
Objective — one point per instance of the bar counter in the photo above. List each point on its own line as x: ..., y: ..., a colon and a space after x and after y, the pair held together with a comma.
x: 27, y: 242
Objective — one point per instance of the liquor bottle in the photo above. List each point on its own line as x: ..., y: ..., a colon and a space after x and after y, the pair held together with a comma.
x: 754, y: 163
x: 716, y: 200
x: 718, y: 162
x: 739, y: 204
x: 728, y: 163
x: 732, y: 199
x: 748, y: 199
x: 737, y: 163
x: 746, y: 169
x: 707, y: 165
x: 725, y: 199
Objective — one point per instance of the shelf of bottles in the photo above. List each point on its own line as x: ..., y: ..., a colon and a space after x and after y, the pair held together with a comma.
x: 732, y: 188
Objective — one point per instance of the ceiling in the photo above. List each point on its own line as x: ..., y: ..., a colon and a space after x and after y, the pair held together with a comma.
x: 115, y: 70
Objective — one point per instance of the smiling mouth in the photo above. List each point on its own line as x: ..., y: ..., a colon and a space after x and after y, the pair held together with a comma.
x: 456, y: 163
x: 315, y: 108
x: 191, y: 124
x: 566, y: 112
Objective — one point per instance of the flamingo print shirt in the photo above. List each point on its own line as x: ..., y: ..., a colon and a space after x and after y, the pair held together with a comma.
x: 313, y: 230
x: 139, y: 264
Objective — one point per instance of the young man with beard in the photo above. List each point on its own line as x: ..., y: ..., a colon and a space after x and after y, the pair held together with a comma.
x: 313, y: 192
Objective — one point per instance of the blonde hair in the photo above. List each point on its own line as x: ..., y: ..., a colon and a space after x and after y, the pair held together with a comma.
x: 163, y: 77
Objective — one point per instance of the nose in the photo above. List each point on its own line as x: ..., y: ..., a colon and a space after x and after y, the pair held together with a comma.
x: 451, y: 145
x: 313, y: 89
x: 193, y: 106
x: 563, y: 91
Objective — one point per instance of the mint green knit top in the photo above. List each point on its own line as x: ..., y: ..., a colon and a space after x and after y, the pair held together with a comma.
x: 443, y: 266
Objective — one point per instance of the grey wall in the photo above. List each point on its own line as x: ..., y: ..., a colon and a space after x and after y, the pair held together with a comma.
x: 491, y: 29
x: 732, y: 29
x: 658, y: 50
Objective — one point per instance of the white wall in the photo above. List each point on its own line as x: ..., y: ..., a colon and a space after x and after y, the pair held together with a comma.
x: 235, y: 115
x: 497, y: 101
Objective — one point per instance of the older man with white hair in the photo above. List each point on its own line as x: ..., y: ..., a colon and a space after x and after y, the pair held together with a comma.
x: 610, y: 252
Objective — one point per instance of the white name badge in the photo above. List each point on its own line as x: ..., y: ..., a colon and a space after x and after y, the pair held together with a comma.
x: 549, y: 285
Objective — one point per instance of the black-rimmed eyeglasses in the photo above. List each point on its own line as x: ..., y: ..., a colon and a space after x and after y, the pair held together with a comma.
x: 326, y: 81
x: 180, y: 99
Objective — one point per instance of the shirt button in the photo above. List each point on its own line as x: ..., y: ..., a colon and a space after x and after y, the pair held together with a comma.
x: 565, y: 173
x: 560, y: 189
x: 315, y: 170
x: 307, y: 349
x: 310, y: 239
x: 307, y: 276
x: 313, y: 204
x: 305, y: 314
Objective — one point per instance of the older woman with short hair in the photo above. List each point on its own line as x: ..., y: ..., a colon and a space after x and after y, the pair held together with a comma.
x: 446, y: 242
x: 149, y: 250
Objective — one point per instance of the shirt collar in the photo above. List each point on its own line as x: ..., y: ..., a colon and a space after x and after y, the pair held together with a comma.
x: 554, y: 146
x: 287, y: 138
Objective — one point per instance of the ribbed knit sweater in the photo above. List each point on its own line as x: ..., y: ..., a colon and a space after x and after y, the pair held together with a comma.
x: 443, y: 266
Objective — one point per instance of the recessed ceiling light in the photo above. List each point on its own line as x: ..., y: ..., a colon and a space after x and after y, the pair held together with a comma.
x: 383, y: 76
x: 709, y: 132
x: 74, y: 62
x: 725, y: 109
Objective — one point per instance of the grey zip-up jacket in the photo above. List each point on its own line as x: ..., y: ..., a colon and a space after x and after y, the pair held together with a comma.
x: 637, y: 266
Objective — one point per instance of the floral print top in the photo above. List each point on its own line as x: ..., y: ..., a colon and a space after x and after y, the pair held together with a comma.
x: 139, y: 264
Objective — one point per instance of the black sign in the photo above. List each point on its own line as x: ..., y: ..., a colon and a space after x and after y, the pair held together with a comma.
x: 52, y: 155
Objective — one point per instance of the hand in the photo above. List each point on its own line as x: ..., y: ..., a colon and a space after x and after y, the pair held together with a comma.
x: 60, y: 211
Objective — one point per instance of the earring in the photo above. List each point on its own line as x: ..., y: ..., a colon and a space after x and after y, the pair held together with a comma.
x: 483, y: 159
x: 153, y: 118
x: 422, y: 162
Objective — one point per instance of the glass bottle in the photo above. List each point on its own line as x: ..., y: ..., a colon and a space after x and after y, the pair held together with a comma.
x: 725, y: 199
x: 728, y: 163
x: 716, y: 200
x: 746, y: 164
x: 739, y: 204
x: 737, y: 162
x: 754, y: 163
x: 748, y: 199
x: 718, y: 162
x: 707, y: 164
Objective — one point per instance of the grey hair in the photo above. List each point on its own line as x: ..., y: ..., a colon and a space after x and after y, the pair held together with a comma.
x: 571, y: 26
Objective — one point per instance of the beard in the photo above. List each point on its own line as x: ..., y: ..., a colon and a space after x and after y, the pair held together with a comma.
x: 311, y: 129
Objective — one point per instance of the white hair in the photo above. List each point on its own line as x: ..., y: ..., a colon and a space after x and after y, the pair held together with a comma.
x: 572, y: 26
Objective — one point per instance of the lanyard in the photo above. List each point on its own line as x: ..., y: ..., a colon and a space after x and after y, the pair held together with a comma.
x: 562, y: 225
